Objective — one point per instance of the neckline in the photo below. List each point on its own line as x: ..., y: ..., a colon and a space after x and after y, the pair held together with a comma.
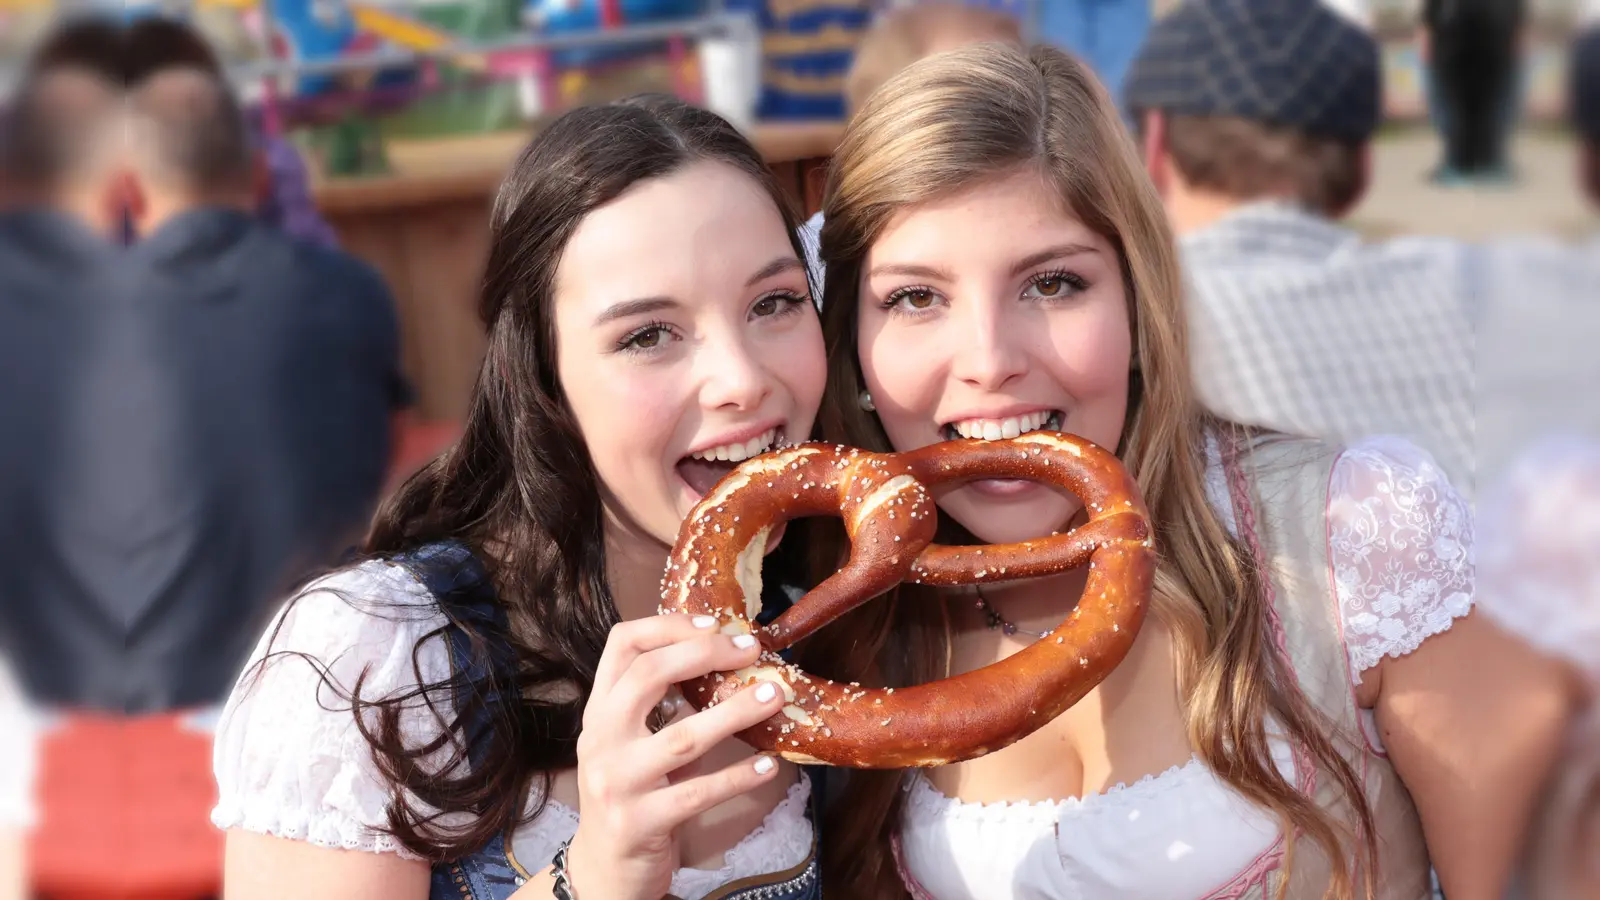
x: 1153, y: 783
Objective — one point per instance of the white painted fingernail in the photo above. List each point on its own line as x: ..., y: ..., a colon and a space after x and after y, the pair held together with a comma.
x: 704, y: 621
x: 765, y: 764
x: 744, y: 641
x: 766, y: 691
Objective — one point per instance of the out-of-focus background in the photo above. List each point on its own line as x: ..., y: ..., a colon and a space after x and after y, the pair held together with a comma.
x: 385, y: 127
x: 407, y: 112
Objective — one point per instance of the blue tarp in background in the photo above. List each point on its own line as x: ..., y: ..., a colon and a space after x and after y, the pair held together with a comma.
x: 809, y: 44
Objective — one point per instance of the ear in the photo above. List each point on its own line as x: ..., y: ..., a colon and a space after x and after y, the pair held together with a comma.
x: 1153, y: 144
x: 1363, y: 183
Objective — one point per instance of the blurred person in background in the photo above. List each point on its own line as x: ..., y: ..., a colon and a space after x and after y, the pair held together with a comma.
x: 1256, y: 122
x: 18, y: 761
x: 228, y: 428
x: 896, y: 40
x: 56, y: 266
x: 1471, y: 50
x: 72, y: 79
x: 282, y: 184
x: 1539, y: 442
x: 1584, y: 97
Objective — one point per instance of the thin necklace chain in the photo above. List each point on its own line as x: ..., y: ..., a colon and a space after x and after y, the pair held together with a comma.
x: 1000, y: 623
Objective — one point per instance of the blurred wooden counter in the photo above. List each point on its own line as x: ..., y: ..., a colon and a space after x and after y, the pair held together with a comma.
x: 425, y: 227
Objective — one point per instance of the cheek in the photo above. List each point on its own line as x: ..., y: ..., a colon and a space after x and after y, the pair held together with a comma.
x: 625, y: 415
x: 1091, y: 355
x: 901, y: 372
x: 799, y: 362
x: 1090, y: 360
x: 900, y: 365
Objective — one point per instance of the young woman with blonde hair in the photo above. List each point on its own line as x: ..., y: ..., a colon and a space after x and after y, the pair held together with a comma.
x: 1307, y: 711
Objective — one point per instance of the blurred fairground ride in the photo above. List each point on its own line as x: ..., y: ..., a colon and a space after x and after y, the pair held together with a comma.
x: 363, y: 71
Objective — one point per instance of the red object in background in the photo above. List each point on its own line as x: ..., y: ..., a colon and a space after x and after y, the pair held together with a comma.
x: 125, y: 808
x: 416, y: 445
x: 610, y: 13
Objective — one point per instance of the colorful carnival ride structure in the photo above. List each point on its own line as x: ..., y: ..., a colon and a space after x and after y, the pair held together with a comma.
x: 346, y: 76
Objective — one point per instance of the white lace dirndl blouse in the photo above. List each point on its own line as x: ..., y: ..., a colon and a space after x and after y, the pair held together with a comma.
x: 290, y: 762
x: 1400, y: 548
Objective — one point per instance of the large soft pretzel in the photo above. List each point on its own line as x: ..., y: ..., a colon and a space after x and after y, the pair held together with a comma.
x: 715, y: 570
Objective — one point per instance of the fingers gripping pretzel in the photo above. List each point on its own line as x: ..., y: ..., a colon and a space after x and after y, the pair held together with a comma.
x: 890, y: 515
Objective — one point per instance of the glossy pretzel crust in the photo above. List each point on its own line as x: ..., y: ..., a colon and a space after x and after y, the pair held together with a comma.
x: 715, y: 569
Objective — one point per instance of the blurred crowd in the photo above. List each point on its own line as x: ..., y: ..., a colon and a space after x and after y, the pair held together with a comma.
x: 200, y: 392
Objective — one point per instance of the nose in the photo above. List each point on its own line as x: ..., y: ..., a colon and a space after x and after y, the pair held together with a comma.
x: 988, y: 352
x: 735, y: 378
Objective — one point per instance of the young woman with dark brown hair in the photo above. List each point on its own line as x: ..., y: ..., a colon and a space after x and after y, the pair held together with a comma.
x: 484, y: 706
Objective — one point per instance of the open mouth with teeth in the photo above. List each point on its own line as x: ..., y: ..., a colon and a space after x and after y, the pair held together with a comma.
x: 1002, y: 429
x: 702, y: 470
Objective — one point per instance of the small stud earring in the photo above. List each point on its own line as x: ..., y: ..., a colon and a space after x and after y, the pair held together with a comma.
x: 866, y: 401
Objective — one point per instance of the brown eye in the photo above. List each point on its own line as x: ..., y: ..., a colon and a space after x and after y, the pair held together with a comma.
x: 766, y: 306
x: 1054, y: 286
x: 912, y: 300
x: 645, y: 338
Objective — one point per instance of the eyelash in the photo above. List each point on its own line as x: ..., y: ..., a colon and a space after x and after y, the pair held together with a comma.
x: 1071, y: 279
x: 1074, y: 281
x: 630, y: 342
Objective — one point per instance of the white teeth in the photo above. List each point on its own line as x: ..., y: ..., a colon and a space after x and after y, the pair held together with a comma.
x: 739, y: 452
x: 1002, y: 429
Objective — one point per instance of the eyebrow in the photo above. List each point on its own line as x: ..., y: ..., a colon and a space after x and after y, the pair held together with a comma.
x: 645, y: 305
x: 1028, y: 262
x: 637, y: 307
x: 1062, y: 251
x: 777, y: 267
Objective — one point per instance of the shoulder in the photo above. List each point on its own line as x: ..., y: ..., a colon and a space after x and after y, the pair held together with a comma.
x: 291, y: 754
x: 342, y: 297
x: 1400, y: 546
x: 366, y: 618
x: 340, y: 273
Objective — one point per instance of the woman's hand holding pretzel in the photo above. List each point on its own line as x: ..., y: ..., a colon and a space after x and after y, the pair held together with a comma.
x: 631, y: 806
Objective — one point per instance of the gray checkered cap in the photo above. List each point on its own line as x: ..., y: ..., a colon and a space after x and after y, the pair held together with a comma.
x: 1290, y: 63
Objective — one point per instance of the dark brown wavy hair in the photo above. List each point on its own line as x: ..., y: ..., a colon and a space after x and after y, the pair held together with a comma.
x: 519, y: 489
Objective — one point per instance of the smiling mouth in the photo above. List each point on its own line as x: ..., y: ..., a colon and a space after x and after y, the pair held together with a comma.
x: 1002, y: 429
x: 702, y: 470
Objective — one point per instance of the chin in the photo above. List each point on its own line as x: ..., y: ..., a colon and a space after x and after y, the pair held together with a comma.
x: 1010, y: 521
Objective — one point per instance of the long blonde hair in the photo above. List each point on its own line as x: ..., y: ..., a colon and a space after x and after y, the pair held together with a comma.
x: 945, y: 124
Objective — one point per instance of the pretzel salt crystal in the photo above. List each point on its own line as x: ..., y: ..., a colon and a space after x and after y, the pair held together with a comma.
x: 715, y: 569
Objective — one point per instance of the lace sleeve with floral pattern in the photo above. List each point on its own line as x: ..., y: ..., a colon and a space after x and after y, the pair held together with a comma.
x: 1400, y: 542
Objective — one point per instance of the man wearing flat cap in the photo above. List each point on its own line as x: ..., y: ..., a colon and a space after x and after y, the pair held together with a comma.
x: 1256, y: 119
